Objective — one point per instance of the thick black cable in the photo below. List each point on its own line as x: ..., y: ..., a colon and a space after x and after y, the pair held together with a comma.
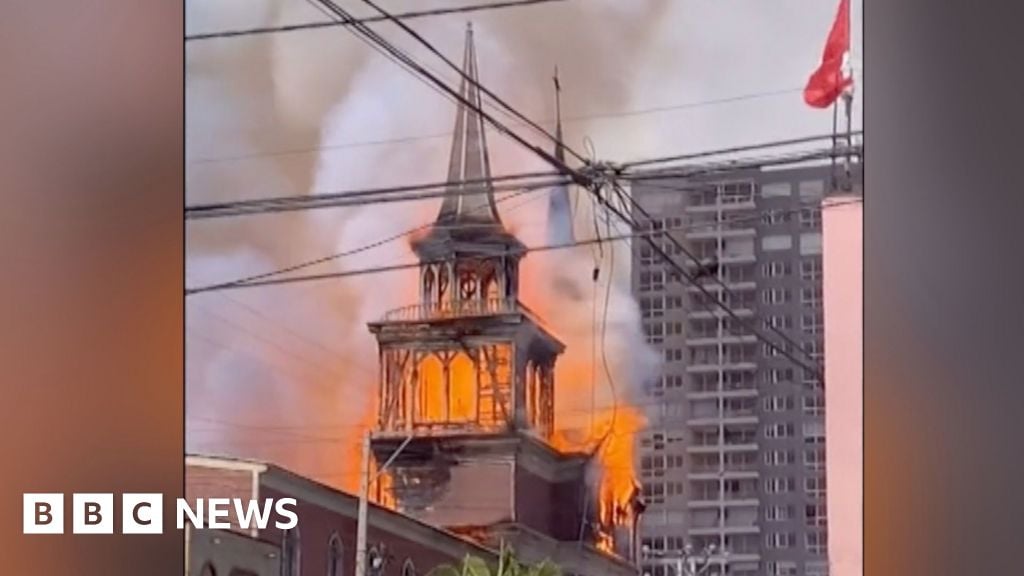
x: 367, y: 196
x: 475, y: 82
x: 692, y: 281
x: 370, y: 19
x: 412, y: 265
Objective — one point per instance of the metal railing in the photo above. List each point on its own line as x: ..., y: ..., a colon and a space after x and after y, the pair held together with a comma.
x: 458, y: 309
x: 475, y: 308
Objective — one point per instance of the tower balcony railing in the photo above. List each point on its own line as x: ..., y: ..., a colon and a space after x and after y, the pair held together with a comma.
x: 474, y: 308
x: 457, y: 309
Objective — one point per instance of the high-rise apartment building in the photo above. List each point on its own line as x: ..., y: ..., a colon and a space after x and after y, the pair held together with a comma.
x: 735, y: 452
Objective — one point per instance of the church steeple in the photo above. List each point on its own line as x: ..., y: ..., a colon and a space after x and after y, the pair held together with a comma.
x: 559, y: 209
x: 469, y: 203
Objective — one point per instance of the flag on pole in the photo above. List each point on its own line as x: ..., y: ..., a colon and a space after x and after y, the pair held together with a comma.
x: 833, y: 75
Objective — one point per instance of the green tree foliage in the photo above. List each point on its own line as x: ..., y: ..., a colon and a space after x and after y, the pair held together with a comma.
x: 508, y: 565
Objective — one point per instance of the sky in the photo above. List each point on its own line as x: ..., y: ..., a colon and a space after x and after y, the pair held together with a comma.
x: 317, y: 111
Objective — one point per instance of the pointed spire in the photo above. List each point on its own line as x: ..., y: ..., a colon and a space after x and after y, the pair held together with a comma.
x: 469, y: 203
x: 559, y: 209
x: 559, y: 146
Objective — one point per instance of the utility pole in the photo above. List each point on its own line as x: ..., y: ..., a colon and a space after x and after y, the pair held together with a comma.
x: 364, y: 506
x: 364, y: 498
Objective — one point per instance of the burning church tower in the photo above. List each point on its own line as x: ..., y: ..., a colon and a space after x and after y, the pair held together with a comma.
x: 466, y: 407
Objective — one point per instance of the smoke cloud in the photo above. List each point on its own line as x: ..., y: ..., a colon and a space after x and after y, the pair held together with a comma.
x: 289, y: 114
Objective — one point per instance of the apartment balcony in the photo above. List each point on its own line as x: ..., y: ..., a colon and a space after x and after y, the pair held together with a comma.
x: 731, y: 501
x: 715, y: 288
x: 737, y: 417
x: 743, y: 557
x: 709, y: 365
x: 728, y: 474
x: 748, y: 392
x: 716, y: 448
x: 700, y: 312
x: 715, y: 530
x: 711, y: 339
x: 723, y: 206
x: 714, y: 230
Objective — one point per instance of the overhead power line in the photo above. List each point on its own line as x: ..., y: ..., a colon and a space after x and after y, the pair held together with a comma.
x: 691, y: 278
x: 550, y: 121
x: 412, y: 265
x: 416, y: 192
x: 467, y: 78
x: 748, y: 148
x: 365, y: 197
x: 368, y: 20
x: 592, y: 180
x: 331, y: 257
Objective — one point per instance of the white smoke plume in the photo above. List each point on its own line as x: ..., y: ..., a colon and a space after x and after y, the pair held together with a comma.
x: 287, y: 373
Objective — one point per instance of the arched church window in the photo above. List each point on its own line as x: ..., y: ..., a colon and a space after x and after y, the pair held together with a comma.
x: 335, y: 557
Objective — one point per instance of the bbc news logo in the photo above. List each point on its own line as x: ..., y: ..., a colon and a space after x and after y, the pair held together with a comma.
x: 143, y: 513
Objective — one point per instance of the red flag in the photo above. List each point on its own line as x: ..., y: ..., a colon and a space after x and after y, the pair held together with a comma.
x: 827, y: 83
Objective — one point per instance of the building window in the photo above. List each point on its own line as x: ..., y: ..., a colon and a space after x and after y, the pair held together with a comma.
x: 814, y: 405
x: 776, y: 190
x: 772, y: 217
x: 811, y: 296
x: 814, y: 458
x: 775, y: 296
x: 773, y: 349
x: 810, y: 218
x: 780, y: 540
x: 652, y: 281
x: 779, y: 375
x: 646, y: 255
x: 814, y: 432
x: 291, y: 554
x: 816, y: 515
x: 375, y: 561
x: 812, y: 189
x: 335, y: 556
x: 810, y: 269
x: 653, y: 307
x: 778, y: 242
x: 818, y: 568
x: 776, y: 269
x: 208, y: 570
x: 781, y: 568
x: 815, y: 487
x: 778, y: 403
x: 408, y: 568
x: 810, y: 243
x: 779, y: 430
x: 737, y: 193
x: 778, y: 513
x: 813, y: 323
x: 817, y: 543
x: 779, y: 485
x: 779, y: 457
x: 778, y: 322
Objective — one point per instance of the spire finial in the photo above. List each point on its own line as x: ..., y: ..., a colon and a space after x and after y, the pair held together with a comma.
x: 472, y: 202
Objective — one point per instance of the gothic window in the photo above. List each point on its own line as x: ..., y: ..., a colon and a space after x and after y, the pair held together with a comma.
x: 408, y: 569
x: 467, y: 285
x: 428, y: 284
x: 208, y: 570
x: 335, y: 557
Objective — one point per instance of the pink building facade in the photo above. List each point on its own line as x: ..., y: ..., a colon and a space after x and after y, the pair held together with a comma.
x: 842, y: 239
